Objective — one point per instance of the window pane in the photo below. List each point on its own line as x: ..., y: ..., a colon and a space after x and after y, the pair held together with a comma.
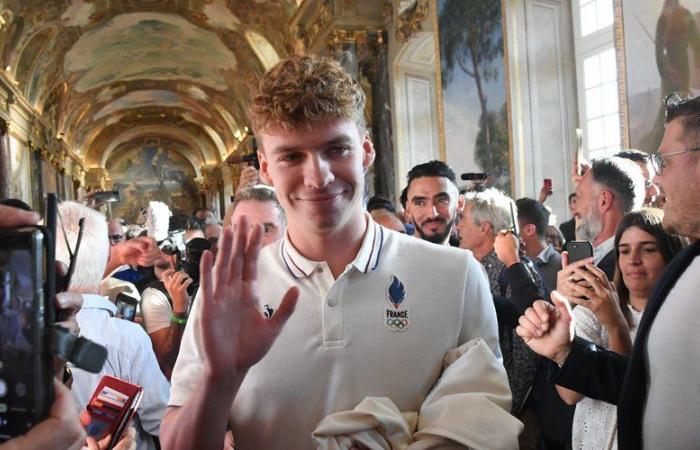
x: 612, y: 130
x: 594, y: 107
x: 596, y: 154
x: 589, y: 22
x: 609, y: 98
x: 596, y: 136
x: 608, y: 65
x: 591, y: 71
x: 605, y: 13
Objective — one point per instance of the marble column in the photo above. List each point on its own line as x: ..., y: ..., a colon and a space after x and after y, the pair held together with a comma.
x: 376, y: 71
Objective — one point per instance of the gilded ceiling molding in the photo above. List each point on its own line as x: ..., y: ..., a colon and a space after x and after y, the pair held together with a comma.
x: 340, y: 36
x: 97, y: 178
x: 410, y: 21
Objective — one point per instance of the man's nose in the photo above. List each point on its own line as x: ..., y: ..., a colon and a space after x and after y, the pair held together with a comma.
x: 317, y: 173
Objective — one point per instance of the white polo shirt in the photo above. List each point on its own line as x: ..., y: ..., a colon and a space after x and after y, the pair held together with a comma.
x: 337, y: 348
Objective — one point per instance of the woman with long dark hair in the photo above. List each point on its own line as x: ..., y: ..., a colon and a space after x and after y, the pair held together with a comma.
x: 608, y: 314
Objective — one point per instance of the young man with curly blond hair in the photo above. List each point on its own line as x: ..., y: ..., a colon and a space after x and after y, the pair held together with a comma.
x: 342, y: 334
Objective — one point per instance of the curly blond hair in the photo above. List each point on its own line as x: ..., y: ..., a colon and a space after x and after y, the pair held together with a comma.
x: 301, y: 90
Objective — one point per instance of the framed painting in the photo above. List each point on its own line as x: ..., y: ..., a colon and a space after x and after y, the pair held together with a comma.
x: 658, y: 48
x: 473, y: 88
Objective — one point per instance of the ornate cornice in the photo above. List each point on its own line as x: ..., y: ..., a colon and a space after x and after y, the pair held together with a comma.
x: 410, y: 21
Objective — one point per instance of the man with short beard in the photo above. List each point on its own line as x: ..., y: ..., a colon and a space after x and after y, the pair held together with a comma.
x: 611, y: 188
x: 432, y: 201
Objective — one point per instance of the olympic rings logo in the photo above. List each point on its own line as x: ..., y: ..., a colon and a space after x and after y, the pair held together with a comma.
x: 397, y: 323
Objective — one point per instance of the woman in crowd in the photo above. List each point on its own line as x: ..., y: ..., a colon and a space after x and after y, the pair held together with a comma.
x: 609, y: 313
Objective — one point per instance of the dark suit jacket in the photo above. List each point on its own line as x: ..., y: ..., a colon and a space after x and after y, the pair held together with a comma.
x: 568, y: 229
x: 607, y: 264
x: 605, y: 375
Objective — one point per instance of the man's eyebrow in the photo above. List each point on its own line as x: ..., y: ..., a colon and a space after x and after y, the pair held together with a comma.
x: 337, y: 140
x: 417, y: 197
x: 270, y: 224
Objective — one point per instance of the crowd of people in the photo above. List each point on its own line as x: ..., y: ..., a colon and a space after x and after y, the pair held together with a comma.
x: 312, y: 317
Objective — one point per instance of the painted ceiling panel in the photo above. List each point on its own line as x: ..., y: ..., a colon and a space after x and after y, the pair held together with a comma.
x: 99, y: 69
x: 149, y: 46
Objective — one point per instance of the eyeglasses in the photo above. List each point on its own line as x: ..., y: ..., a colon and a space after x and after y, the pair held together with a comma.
x: 658, y: 161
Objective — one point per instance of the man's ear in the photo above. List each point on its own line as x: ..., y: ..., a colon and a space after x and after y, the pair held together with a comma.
x: 264, y: 174
x: 605, y: 200
x: 368, y: 153
x: 460, y: 203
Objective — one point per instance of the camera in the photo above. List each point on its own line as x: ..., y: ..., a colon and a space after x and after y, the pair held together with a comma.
x: 478, y: 180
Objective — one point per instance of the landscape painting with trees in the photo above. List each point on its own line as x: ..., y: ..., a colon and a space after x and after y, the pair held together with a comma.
x: 474, y: 95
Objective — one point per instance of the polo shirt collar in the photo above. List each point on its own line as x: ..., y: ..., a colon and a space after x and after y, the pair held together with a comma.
x: 93, y: 301
x: 366, y: 260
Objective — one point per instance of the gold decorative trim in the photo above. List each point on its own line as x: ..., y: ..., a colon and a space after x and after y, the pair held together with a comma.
x: 509, y: 109
x: 410, y: 22
x: 438, y: 82
x: 620, y: 56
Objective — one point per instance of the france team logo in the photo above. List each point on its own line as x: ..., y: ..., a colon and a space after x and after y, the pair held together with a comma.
x: 396, y: 319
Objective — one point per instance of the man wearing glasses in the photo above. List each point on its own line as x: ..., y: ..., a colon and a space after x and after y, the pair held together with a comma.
x: 655, y: 388
x: 116, y: 231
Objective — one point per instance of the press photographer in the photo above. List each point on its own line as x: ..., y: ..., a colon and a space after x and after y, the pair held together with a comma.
x: 165, y: 302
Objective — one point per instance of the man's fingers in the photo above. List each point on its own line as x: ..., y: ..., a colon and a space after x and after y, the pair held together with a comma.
x: 168, y: 273
x: 562, y: 305
x: 205, y: 276
x: 289, y: 303
x: 250, y: 264
x: 223, y: 260
x: 543, y: 310
x: 579, y: 301
x: 536, y: 319
x: 92, y: 443
x: 13, y: 217
x: 71, y: 302
x: 532, y: 329
x: 240, y: 238
x: 524, y: 333
x: 564, y: 259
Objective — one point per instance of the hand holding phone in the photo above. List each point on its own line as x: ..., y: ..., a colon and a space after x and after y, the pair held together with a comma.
x: 577, y: 254
x: 126, y: 306
x: 110, y: 409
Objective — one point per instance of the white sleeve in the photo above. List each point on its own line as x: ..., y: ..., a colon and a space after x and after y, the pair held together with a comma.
x: 588, y: 327
x: 190, y: 362
x: 145, y: 372
x: 479, y: 315
x: 156, y: 310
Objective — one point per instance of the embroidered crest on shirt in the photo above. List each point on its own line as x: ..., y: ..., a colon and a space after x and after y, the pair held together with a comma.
x: 396, y: 318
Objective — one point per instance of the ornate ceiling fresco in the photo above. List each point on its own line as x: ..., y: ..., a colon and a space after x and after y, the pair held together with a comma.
x: 110, y: 75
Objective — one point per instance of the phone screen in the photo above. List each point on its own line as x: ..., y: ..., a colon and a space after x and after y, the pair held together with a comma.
x: 126, y: 309
x: 21, y: 316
